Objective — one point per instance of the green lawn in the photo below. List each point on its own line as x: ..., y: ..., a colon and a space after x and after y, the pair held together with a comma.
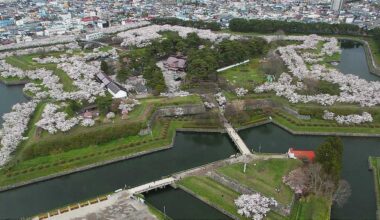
x: 311, y: 208
x: 245, y: 75
x: 105, y: 48
x: 264, y: 176
x: 212, y: 192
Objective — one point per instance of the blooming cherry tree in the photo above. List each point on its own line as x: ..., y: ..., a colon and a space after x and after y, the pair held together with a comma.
x: 254, y: 206
x: 14, y: 126
x: 352, y: 88
x: 348, y: 119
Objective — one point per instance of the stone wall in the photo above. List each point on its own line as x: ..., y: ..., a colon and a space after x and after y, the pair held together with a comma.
x: 171, y: 111
x: 259, y: 104
x: 185, y: 110
x: 295, y: 113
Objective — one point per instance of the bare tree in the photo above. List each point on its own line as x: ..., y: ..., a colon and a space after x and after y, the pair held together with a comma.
x: 230, y: 111
x: 342, y: 193
x: 320, y: 182
x: 273, y: 65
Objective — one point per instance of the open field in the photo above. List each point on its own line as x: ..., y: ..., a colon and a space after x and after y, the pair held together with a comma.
x: 245, y: 75
x: 264, y: 176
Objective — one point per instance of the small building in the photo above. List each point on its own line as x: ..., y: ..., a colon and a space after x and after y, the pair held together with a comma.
x: 304, y: 155
x: 112, y: 87
x: 175, y: 63
x: 94, y: 36
x: 116, y: 91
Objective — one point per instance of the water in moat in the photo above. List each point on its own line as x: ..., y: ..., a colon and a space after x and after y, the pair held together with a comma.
x: 9, y: 95
x: 191, y: 150
x: 178, y: 204
x: 353, y: 60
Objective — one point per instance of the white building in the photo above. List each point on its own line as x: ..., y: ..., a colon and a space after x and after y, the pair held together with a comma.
x: 336, y: 5
x: 112, y: 87
x: 94, y: 36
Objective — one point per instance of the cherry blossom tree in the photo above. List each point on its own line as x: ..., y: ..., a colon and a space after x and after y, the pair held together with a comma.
x: 254, y: 206
x: 14, y: 126
x: 352, y: 88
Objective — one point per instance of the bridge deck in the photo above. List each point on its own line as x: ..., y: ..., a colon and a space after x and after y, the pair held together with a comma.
x: 236, y: 139
x: 151, y: 185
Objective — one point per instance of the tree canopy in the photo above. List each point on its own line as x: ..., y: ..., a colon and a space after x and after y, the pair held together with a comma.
x: 104, y: 67
x: 195, y: 24
x: 271, y: 26
x: 329, y: 154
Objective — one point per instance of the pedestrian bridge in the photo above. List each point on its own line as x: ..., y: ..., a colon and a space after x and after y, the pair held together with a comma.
x: 236, y: 139
x: 151, y: 185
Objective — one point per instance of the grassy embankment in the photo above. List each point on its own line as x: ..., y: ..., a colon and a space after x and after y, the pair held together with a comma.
x: 375, y: 49
x: 264, y: 177
x: 157, y: 213
x: 316, y: 123
x: 213, y: 193
x: 375, y: 165
x: 311, y: 208
x: 320, y: 125
x: 61, y: 160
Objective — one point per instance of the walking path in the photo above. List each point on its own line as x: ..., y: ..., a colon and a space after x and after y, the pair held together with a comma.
x: 120, y: 205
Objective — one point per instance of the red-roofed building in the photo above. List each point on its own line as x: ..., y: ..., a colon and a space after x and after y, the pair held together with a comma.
x: 88, y: 20
x: 303, y: 155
